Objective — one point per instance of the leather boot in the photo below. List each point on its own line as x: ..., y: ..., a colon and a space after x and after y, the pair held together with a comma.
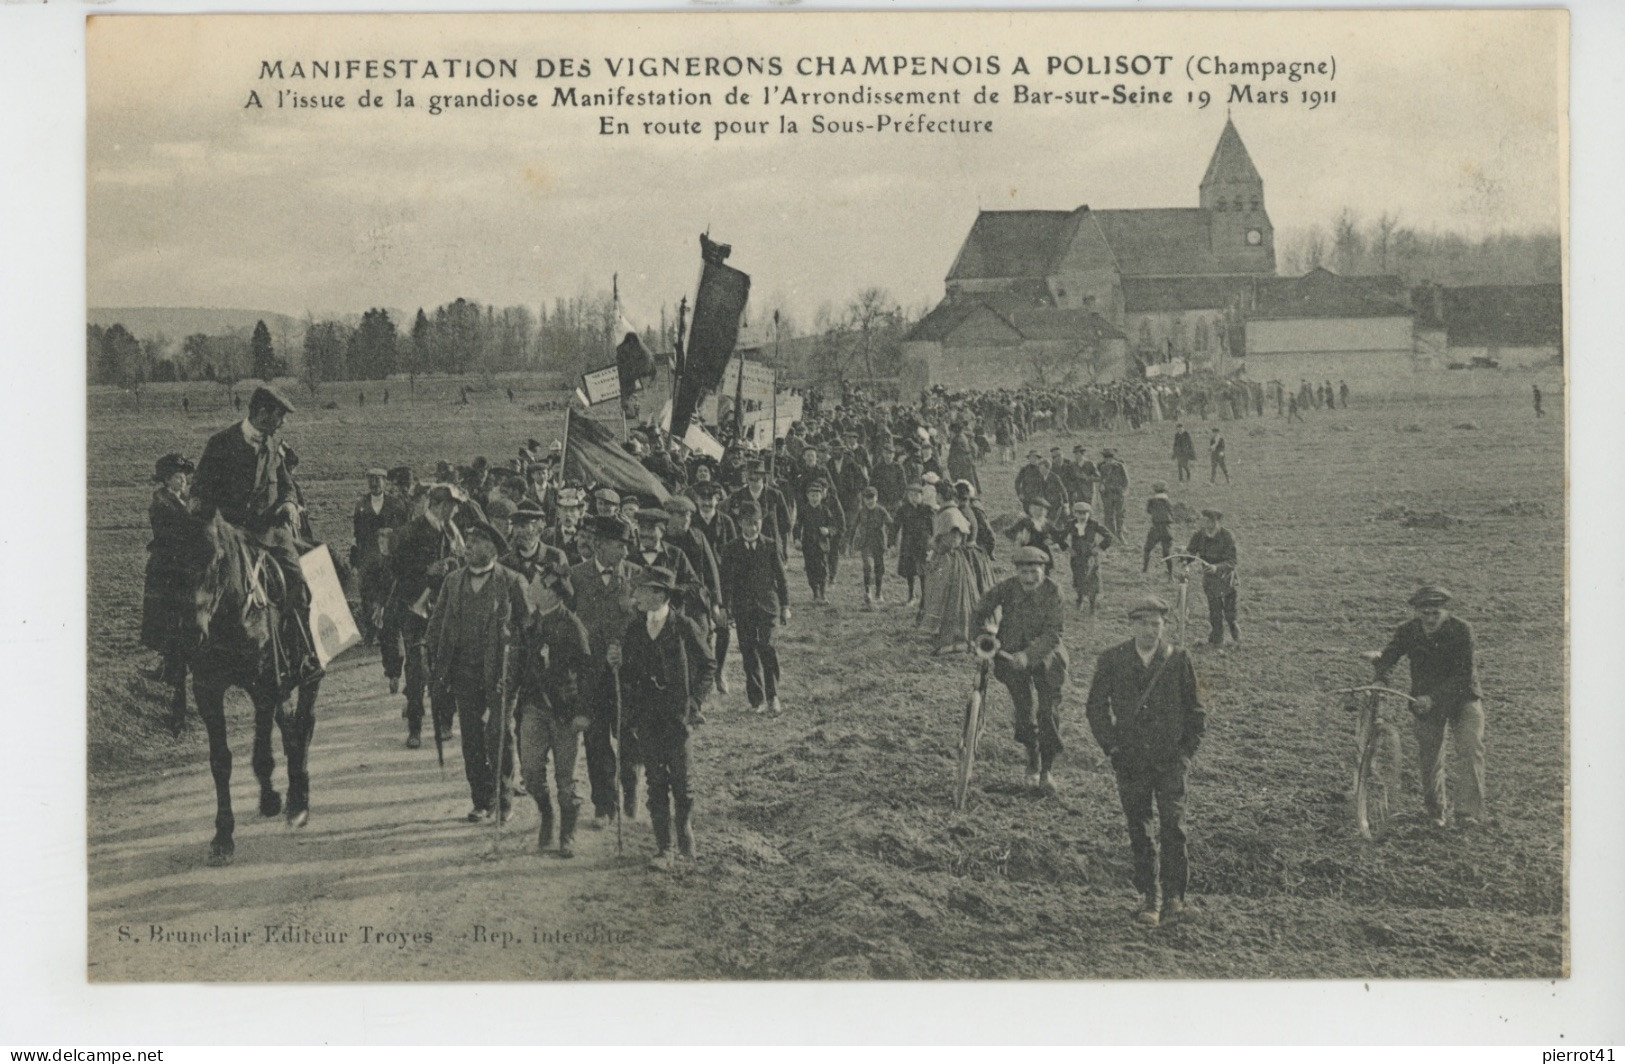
x: 544, y: 835
x: 1032, y: 766
x: 685, y: 832
x: 629, y: 798
x: 661, y: 819
x: 567, y: 831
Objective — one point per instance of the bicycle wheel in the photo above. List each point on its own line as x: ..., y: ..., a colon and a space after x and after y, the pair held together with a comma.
x: 969, y: 733
x: 1376, y: 786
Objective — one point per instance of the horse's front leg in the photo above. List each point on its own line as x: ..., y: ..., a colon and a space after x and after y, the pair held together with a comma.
x: 267, y: 707
x: 297, y: 729
x: 211, y: 701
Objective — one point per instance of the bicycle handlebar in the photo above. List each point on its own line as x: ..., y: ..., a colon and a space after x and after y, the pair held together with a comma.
x: 1365, y: 688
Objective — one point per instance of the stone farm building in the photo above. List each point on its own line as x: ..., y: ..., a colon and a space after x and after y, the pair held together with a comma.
x: 1514, y: 325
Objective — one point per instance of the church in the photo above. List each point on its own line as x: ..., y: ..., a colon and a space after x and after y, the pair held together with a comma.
x: 1077, y: 296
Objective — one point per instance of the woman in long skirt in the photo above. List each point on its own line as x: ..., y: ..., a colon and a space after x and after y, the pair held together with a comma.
x: 955, y: 579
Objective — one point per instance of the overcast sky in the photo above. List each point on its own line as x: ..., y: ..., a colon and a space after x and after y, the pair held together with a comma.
x: 1452, y: 120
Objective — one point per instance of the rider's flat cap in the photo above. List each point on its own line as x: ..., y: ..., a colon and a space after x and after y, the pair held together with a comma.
x: 1031, y: 556
x: 266, y: 395
x: 1431, y: 595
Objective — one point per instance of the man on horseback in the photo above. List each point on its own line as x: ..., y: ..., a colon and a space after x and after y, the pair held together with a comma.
x: 243, y: 477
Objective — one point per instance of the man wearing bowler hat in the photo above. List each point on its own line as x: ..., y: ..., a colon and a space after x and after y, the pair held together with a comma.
x: 1444, y: 681
x: 602, y: 586
x: 477, y: 614
x: 242, y: 477
x: 1146, y: 715
x: 1031, y: 660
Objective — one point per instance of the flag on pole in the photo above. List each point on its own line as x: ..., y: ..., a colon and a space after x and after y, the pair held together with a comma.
x: 593, y: 457
x: 718, y: 306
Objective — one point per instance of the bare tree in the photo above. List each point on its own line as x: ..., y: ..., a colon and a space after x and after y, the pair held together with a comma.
x: 1382, y: 238
x: 1347, y: 243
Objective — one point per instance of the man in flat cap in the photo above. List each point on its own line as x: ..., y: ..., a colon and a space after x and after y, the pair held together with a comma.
x: 665, y: 672
x: 1444, y: 680
x: 242, y: 477
x: 1032, y: 660
x: 475, y: 619
x: 1113, y: 490
x: 1214, y: 544
x: 570, y: 507
x: 527, y: 555
x: 652, y: 550
x: 1146, y: 715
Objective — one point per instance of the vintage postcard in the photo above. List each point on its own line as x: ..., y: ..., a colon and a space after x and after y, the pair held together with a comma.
x: 814, y: 496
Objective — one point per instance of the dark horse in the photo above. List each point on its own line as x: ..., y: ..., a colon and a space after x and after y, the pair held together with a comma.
x: 239, y: 593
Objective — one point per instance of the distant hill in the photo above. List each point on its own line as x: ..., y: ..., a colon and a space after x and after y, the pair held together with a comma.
x: 177, y: 323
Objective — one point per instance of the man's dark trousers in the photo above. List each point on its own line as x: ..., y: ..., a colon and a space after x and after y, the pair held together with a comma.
x: 1139, y: 786
x: 759, y: 655
x: 1043, y: 729
x: 1221, y: 605
x: 480, y: 719
x: 598, y: 692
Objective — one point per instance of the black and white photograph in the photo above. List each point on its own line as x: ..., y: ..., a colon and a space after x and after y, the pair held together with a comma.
x: 797, y: 495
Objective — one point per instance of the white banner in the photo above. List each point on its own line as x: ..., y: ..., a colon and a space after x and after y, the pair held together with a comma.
x: 696, y: 438
x: 602, y: 385
x: 758, y: 383
x: 331, y: 625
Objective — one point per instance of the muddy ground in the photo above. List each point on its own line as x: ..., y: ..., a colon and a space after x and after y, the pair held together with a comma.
x: 829, y: 847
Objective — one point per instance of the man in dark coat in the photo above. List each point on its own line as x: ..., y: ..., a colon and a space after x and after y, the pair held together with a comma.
x: 474, y: 621
x: 602, y: 586
x: 777, y: 516
x: 665, y: 671
x: 1184, y: 451
x: 1146, y: 715
x: 375, y: 513
x: 888, y: 480
x: 1217, y: 548
x: 420, y: 556
x: 165, y: 602
x: 242, y: 477
x: 1113, y: 490
x: 553, y: 656
x: 755, y: 597
x: 719, y: 530
x: 1032, y: 660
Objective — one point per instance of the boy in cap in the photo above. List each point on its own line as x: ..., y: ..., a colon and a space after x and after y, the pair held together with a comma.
x: 755, y: 597
x: 870, y: 528
x: 1087, y: 539
x: 1161, y: 511
x: 912, y: 529
x: 665, y: 670
x: 1217, y: 549
x: 1146, y: 715
x: 1444, y: 680
x: 819, y: 527
x: 551, y: 712
x: 1032, y: 660
x: 476, y: 617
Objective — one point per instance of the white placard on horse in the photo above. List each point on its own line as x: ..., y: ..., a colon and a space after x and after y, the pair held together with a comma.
x: 331, y: 625
x: 601, y: 385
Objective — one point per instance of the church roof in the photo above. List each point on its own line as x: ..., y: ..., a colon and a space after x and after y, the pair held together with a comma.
x: 1014, y: 244
x: 1230, y: 162
x: 1164, y: 241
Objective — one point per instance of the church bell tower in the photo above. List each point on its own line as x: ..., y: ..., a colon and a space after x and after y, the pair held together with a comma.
x: 1233, y: 195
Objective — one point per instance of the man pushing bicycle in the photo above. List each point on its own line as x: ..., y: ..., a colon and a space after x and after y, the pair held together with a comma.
x: 1444, y: 684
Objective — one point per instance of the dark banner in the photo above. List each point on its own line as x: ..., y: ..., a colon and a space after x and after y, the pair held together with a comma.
x: 715, y: 329
x: 594, y: 458
x: 634, y: 362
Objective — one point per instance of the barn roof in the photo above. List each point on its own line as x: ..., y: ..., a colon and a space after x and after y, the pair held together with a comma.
x: 1320, y: 293
x: 1029, y: 320
x: 1494, y: 315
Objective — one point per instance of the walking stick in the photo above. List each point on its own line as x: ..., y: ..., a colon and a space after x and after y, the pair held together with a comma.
x: 503, y: 701
x: 620, y: 737
x: 987, y: 649
x: 1184, y: 592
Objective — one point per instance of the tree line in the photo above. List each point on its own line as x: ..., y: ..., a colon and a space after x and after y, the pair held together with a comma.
x: 1350, y: 244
